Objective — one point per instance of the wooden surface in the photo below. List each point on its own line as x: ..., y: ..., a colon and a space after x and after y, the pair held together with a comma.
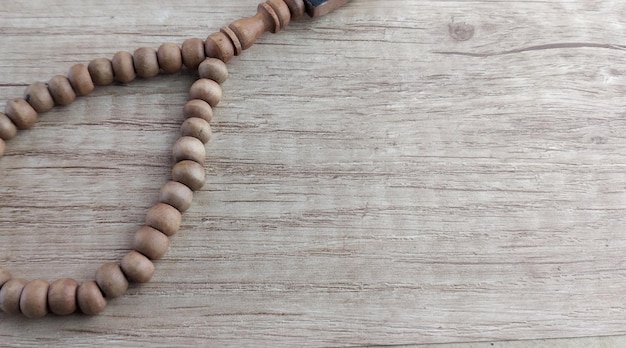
x: 397, y: 172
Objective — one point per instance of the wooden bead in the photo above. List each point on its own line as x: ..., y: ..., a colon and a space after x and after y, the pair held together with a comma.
x: 39, y: 97
x: 207, y: 90
x: 213, y: 69
x: 197, y: 128
x: 177, y: 195
x: 123, y: 67
x: 146, y: 62
x: 61, y: 90
x: 34, y: 299
x: 198, y: 108
x: 189, y: 173
x: 21, y: 113
x: 218, y: 45
x: 137, y: 268
x: 80, y: 79
x: 273, y: 15
x: 150, y: 242
x: 2, y: 147
x: 189, y: 148
x: 101, y: 71
x: 5, y: 276
x: 8, y: 130
x: 193, y: 53
x: 111, y: 280
x: 90, y: 299
x: 170, y: 58
x: 62, y: 296
x: 164, y: 218
x: 10, y: 296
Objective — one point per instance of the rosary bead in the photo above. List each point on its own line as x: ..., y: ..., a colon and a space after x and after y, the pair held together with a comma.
x: 39, y: 97
x: 207, y: 90
x: 177, y: 195
x: 8, y: 130
x: 111, y: 280
x: 189, y: 173
x: 62, y: 296
x: 21, y: 113
x: 101, y: 71
x: 34, y: 299
x: 123, y: 67
x: 10, y: 296
x: 189, y: 148
x: 170, y: 58
x: 90, y: 299
x: 165, y: 218
x: 61, y: 90
x: 213, y: 69
x: 146, y: 62
x: 137, y: 268
x: 197, y: 128
x: 80, y: 79
x: 151, y: 242
x: 193, y: 53
x: 5, y: 276
x: 198, y: 108
x: 218, y: 45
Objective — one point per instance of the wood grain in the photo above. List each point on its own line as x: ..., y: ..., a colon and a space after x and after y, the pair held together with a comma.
x: 397, y: 172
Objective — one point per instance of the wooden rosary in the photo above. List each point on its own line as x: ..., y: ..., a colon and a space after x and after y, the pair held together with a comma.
x: 36, y: 298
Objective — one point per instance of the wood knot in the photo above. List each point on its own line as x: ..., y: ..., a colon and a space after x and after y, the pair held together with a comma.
x: 461, y: 31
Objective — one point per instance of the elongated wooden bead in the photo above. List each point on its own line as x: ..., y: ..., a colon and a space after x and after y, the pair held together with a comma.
x: 193, y: 53
x: 218, y: 45
x: 21, y: 113
x: 197, y: 128
x: 146, y: 62
x: 61, y: 90
x: 34, y: 299
x: 170, y: 58
x: 123, y: 67
x: 62, y: 296
x: 177, y: 195
x: 5, y: 276
x: 8, y: 130
x: 213, y: 69
x: 90, y: 299
x: 101, y: 71
x: 137, y: 267
x: 189, y: 148
x: 39, y: 97
x: 151, y: 242
x: 164, y: 218
x: 189, y: 173
x: 207, y: 90
x: 10, y: 296
x: 198, y: 108
x: 80, y: 79
x: 111, y: 280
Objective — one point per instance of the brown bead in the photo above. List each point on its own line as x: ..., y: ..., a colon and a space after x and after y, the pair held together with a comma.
x: 111, y: 280
x: 123, y: 67
x: 177, y: 195
x: 189, y: 148
x: 198, y: 108
x: 193, y: 53
x: 207, y: 90
x: 164, y: 218
x: 62, y: 296
x: 151, y: 242
x: 21, y: 113
x: 10, y: 296
x: 218, y: 45
x: 197, y: 128
x: 101, y: 71
x: 189, y: 173
x: 146, y: 62
x: 213, y: 69
x: 90, y: 299
x: 5, y: 276
x: 8, y: 130
x: 296, y: 7
x: 137, y: 268
x: 61, y: 90
x: 34, y: 299
x: 80, y: 79
x: 2, y: 147
x: 170, y: 58
x: 39, y: 97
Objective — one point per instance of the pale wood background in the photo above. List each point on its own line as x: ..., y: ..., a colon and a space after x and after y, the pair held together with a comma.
x: 397, y: 172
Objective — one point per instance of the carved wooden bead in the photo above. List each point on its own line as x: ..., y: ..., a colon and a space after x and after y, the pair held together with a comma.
x: 62, y: 296
x: 189, y: 173
x: 8, y: 130
x: 197, y: 128
x: 170, y: 58
x: 193, y: 53
x: 198, y: 108
x: 34, y: 299
x: 272, y: 15
x: 207, y: 90
x: 218, y: 45
x: 39, y: 97
x: 5, y: 276
x: 90, y: 299
x: 177, y: 195
x: 80, y: 79
x: 151, y: 242
x: 137, y: 268
x: 213, y: 69
x: 61, y: 90
x: 146, y: 62
x: 21, y: 113
x: 111, y: 280
x: 164, y: 218
x: 10, y: 296
x: 189, y: 148
x: 123, y: 67
x: 101, y: 71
